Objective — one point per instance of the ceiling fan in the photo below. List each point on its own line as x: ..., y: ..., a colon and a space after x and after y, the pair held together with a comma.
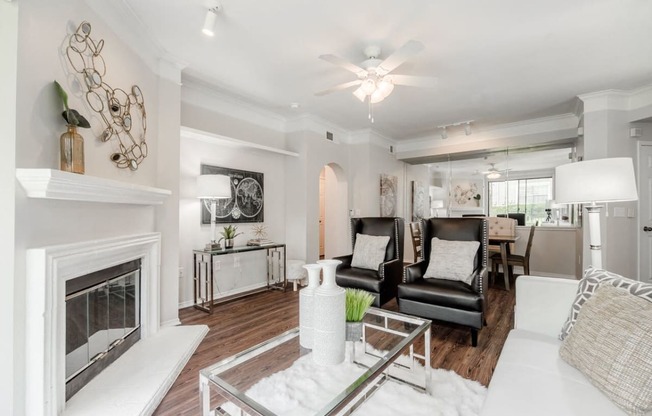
x: 494, y: 173
x: 375, y: 80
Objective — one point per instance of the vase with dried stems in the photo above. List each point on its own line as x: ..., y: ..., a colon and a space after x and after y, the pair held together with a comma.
x: 71, y: 143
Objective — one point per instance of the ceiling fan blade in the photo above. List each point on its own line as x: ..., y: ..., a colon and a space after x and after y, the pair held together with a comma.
x: 341, y: 62
x: 414, y: 81
x: 340, y: 87
x: 401, y: 55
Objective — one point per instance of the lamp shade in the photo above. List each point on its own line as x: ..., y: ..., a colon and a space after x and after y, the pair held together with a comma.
x: 599, y: 180
x: 213, y: 186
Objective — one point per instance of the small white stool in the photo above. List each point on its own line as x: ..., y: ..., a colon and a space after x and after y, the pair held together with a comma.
x: 295, y: 272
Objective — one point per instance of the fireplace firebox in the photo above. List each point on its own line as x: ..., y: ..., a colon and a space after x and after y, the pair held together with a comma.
x: 102, y: 321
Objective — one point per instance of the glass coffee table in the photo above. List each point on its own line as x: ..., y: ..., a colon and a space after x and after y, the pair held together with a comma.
x: 387, y: 351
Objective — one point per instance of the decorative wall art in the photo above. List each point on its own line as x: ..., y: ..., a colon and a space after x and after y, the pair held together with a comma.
x: 464, y: 194
x: 123, y: 114
x: 247, y: 201
x: 388, y: 192
x: 420, y: 204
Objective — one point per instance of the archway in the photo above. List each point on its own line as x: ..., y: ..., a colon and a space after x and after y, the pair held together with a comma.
x: 334, y: 236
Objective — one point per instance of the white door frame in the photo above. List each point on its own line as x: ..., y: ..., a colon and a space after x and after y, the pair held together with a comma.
x: 640, y: 221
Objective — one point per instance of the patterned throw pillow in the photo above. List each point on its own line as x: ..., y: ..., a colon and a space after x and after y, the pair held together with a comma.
x: 452, y: 260
x: 369, y: 251
x: 611, y: 344
x: 592, y: 279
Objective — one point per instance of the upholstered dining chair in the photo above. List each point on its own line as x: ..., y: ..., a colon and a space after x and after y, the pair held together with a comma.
x: 450, y: 283
x: 514, y: 259
x: 374, y: 266
x: 500, y: 226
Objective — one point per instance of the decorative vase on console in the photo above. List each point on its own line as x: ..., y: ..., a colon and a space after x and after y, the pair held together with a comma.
x: 307, y: 306
x: 329, y: 318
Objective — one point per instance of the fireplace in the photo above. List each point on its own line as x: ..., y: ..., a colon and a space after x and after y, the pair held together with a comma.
x: 72, y: 290
x: 102, y: 321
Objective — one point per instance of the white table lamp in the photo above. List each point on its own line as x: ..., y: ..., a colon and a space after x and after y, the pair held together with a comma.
x: 210, y: 188
x: 593, y: 181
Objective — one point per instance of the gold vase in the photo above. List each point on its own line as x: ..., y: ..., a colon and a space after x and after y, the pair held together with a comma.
x: 71, y: 151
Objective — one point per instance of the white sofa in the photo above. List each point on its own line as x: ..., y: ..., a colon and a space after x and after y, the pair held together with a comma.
x: 530, y: 377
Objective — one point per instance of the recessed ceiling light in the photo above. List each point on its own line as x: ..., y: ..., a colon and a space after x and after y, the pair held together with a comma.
x: 294, y: 106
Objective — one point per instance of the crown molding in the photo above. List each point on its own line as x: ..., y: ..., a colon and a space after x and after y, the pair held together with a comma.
x: 120, y: 17
x: 195, y: 91
x: 618, y: 100
x: 561, y: 122
x: 316, y: 124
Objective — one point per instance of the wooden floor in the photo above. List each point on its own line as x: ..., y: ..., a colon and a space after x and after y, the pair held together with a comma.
x: 243, y: 323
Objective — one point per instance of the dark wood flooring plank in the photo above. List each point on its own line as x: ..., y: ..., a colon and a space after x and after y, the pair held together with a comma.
x: 243, y: 323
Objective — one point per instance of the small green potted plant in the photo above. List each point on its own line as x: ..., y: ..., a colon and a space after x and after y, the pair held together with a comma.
x: 71, y: 142
x: 357, y: 303
x: 228, y: 234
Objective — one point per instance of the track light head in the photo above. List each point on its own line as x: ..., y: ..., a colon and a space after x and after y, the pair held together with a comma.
x: 467, y: 128
x: 444, y: 133
x: 209, y: 21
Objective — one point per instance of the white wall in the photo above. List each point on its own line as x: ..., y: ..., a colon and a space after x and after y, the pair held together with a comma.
x: 42, y: 27
x: 8, y: 75
x: 193, y: 235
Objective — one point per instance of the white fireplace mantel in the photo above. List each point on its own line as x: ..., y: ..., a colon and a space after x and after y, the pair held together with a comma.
x: 57, y: 184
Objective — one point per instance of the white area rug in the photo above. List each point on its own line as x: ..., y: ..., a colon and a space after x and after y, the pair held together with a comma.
x: 306, y: 387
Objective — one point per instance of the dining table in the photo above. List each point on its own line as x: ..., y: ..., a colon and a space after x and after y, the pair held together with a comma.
x: 504, y: 241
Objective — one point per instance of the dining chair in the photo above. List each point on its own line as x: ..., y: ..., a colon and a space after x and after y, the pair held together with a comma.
x: 514, y: 259
x: 415, y: 232
x: 500, y: 226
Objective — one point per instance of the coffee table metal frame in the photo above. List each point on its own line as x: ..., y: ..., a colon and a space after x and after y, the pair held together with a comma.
x: 351, y: 397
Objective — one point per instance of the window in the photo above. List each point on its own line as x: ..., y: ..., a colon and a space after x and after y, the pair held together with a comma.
x: 528, y: 196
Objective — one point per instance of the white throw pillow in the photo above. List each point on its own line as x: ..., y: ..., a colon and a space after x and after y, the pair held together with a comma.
x: 452, y: 260
x: 369, y: 251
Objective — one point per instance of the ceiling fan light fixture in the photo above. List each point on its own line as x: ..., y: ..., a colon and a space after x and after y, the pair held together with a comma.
x: 493, y: 175
x: 360, y: 94
x: 376, y: 97
x: 385, y: 87
x: 209, y: 21
x: 368, y: 86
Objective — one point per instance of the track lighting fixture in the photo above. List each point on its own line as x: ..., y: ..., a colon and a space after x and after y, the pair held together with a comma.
x: 466, y: 124
x: 209, y: 21
x: 467, y: 128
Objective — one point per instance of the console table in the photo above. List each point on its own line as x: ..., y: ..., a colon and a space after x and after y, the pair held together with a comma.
x: 204, y: 274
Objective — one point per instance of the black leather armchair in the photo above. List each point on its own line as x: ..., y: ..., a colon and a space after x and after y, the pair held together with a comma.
x: 448, y: 300
x: 381, y: 283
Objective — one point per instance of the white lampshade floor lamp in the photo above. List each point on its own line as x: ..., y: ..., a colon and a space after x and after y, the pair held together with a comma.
x: 591, y: 182
x: 210, y: 188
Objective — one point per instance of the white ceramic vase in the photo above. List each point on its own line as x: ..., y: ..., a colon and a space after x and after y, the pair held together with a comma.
x: 329, y: 322
x: 306, y: 306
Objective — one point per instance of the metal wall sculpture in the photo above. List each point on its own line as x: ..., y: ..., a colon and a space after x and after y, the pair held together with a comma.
x: 247, y: 201
x: 123, y: 114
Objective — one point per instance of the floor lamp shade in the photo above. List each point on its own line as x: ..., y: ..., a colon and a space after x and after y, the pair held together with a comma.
x: 212, y: 188
x: 592, y: 181
x: 599, y: 180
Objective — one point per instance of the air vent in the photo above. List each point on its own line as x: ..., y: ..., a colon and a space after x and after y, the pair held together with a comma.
x: 329, y: 136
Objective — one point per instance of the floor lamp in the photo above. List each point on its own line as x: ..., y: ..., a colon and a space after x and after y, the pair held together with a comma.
x: 593, y: 181
x: 210, y: 188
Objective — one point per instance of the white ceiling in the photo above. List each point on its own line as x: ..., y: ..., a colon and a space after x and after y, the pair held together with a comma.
x: 497, y: 61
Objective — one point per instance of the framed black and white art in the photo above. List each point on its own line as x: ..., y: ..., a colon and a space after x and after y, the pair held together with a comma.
x: 247, y: 197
